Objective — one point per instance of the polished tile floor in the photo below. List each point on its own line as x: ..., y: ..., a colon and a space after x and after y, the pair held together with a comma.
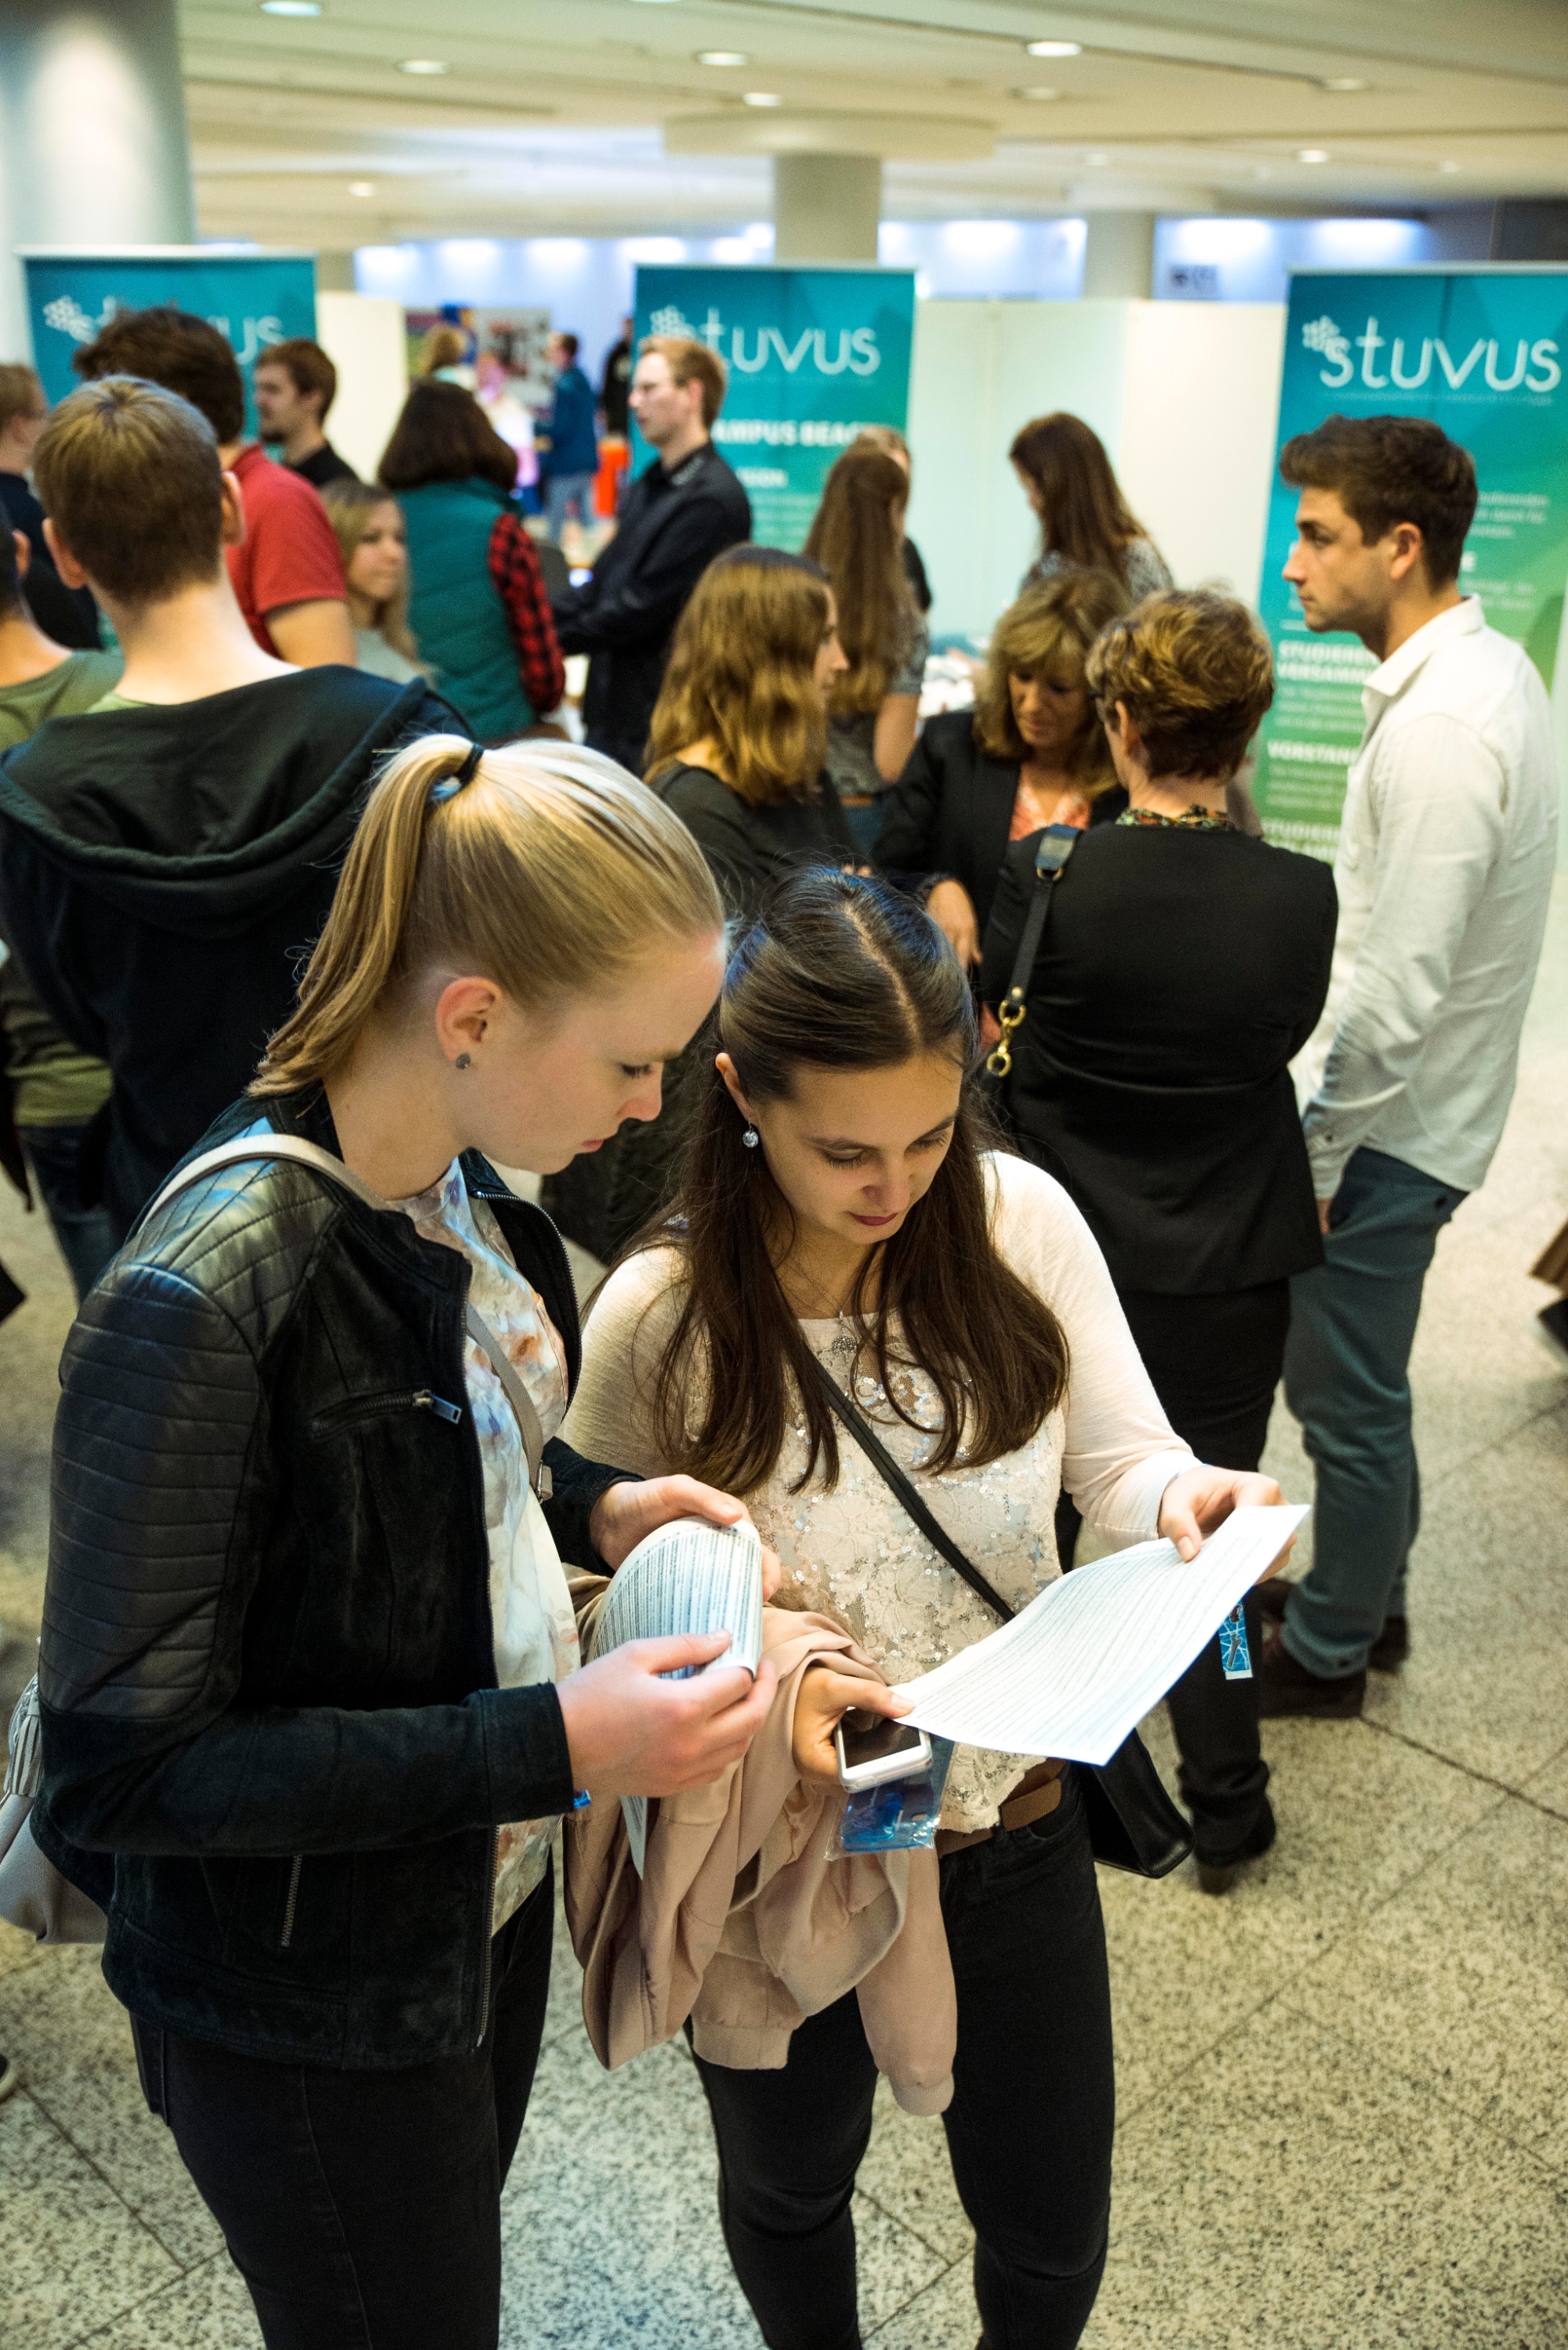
x: 1343, y: 2089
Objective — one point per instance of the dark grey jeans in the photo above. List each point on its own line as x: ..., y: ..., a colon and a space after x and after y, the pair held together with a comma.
x: 1347, y: 1380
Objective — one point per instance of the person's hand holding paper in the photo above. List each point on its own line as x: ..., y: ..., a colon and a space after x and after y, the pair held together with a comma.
x: 1201, y: 1499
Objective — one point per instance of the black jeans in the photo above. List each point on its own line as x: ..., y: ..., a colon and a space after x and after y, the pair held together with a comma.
x: 363, y: 2209
x: 1029, y: 2129
x: 1215, y: 1362
x: 87, y: 1236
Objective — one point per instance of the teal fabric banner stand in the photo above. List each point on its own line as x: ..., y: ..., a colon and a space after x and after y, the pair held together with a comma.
x: 812, y: 355
x: 1482, y: 351
x: 254, y: 298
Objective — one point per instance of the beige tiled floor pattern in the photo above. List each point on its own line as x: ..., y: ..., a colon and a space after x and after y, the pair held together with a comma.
x: 1344, y: 2090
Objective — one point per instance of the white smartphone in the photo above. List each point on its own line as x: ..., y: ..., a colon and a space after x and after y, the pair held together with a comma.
x: 871, y: 1749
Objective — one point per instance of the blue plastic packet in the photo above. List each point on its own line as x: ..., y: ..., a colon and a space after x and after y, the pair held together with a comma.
x: 1235, y: 1657
x: 899, y: 1814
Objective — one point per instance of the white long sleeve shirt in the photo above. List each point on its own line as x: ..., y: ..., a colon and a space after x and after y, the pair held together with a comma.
x: 1444, y: 873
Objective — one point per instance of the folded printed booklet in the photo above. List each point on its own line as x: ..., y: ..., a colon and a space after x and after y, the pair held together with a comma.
x: 687, y: 1576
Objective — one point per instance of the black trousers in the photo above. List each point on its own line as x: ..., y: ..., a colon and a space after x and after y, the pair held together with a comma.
x: 1029, y: 2129
x: 363, y: 2209
x: 1215, y: 1362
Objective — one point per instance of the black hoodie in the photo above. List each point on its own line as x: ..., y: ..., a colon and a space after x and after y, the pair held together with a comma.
x: 161, y: 870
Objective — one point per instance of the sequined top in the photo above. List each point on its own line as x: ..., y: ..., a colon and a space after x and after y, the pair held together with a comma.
x: 852, y: 1552
x: 1196, y: 818
x: 534, y: 1629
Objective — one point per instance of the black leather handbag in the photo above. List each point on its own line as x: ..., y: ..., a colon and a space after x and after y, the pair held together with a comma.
x: 1132, y: 1821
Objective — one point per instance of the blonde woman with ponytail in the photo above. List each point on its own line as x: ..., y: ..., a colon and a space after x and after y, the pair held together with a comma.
x: 311, y: 1696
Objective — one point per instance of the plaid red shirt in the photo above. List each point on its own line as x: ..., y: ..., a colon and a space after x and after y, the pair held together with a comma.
x: 519, y: 584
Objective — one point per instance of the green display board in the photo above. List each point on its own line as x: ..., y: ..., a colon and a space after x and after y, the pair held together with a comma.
x: 814, y: 355
x: 1481, y: 351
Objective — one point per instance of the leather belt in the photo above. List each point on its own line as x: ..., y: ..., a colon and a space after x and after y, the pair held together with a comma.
x: 1036, y: 1796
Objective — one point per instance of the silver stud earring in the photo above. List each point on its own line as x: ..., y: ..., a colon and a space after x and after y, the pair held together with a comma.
x: 464, y: 1060
x: 750, y: 1137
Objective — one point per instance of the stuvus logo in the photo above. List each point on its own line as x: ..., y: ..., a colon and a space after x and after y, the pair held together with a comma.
x: 1527, y: 367
x: 819, y: 350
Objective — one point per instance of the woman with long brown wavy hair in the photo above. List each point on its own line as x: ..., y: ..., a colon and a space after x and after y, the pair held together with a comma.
x: 736, y: 750
x: 1032, y: 752
x: 1067, y: 478
x: 841, y: 1211
x: 857, y: 537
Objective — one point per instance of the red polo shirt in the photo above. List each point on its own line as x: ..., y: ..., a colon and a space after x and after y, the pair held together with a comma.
x: 290, y: 551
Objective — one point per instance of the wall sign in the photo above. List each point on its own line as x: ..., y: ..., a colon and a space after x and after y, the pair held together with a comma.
x: 1483, y: 352
x: 256, y: 300
x: 814, y: 355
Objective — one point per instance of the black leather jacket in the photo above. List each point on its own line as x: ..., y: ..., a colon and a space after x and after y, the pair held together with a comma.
x: 268, y: 1679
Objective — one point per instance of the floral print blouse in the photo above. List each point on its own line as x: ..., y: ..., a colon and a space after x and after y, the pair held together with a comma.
x: 534, y: 1631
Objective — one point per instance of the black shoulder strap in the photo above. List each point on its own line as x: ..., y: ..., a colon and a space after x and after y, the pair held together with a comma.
x: 888, y: 1469
x: 1057, y: 843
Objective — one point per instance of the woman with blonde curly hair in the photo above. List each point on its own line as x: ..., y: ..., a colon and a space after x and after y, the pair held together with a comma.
x: 1032, y: 752
x: 1183, y: 963
x: 736, y: 750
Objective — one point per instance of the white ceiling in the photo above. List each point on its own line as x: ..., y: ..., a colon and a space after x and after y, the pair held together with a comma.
x: 554, y: 119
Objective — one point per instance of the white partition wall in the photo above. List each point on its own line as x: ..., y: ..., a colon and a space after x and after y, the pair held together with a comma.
x: 365, y: 338
x: 1185, y: 396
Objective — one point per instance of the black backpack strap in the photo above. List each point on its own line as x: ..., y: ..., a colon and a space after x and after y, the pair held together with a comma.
x: 888, y: 1469
x: 1057, y: 843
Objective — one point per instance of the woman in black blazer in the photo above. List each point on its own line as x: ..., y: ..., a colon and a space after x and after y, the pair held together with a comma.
x: 1031, y: 751
x: 1182, y: 966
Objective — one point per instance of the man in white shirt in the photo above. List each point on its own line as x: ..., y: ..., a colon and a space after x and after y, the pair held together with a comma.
x: 1444, y: 872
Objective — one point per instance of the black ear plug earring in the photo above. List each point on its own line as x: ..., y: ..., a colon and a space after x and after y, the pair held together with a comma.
x: 464, y: 1060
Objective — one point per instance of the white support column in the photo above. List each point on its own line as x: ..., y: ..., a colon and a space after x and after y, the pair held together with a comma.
x: 1118, y: 257
x: 94, y: 147
x: 826, y: 207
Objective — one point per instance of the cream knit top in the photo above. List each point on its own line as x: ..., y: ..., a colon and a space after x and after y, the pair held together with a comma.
x: 852, y: 1552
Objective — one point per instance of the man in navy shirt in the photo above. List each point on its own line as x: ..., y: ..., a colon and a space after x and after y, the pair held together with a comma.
x: 574, y: 451
x: 680, y: 513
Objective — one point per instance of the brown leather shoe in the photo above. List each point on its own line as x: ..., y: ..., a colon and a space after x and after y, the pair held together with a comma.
x: 1287, y: 1688
x: 1391, y: 1646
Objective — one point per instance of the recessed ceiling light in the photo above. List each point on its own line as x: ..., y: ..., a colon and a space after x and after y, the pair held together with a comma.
x: 1312, y: 154
x: 361, y: 187
x: 1448, y: 167
x: 761, y: 97
x: 291, y: 7
x: 1097, y: 160
x: 723, y: 57
x: 1344, y: 81
x: 1054, y: 48
x: 1039, y: 92
x: 423, y: 66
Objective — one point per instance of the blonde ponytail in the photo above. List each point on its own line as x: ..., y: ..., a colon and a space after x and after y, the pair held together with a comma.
x: 543, y: 866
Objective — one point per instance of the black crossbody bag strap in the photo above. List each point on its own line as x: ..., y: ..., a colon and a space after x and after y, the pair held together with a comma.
x: 1133, y: 1824
x: 1057, y: 843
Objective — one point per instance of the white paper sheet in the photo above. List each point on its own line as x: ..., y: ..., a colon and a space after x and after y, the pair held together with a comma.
x: 1082, y: 1665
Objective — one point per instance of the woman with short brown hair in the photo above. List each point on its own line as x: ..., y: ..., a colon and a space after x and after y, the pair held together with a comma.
x: 1032, y: 752
x: 1183, y: 963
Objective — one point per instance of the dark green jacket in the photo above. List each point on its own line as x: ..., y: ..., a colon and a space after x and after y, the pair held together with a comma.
x: 455, y: 610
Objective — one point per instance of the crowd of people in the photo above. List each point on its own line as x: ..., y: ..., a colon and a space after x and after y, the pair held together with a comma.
x: 928, y: 1093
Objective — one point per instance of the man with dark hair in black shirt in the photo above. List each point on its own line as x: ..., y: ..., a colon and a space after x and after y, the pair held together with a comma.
x: 295, y: 384
x: 685, y: 509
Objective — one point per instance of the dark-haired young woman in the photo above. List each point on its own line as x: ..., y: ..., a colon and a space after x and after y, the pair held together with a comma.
x: 1085, y: 521
x: 857, y: 537
x: 840, y: 1208
x: 477, y: 602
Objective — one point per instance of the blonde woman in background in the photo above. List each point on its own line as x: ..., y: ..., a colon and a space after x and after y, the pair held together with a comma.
x: 1032, y: 752
x: 888, y: 441
x: 858, y: 537
x: 374, y: 546
x: 328, y: 1706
